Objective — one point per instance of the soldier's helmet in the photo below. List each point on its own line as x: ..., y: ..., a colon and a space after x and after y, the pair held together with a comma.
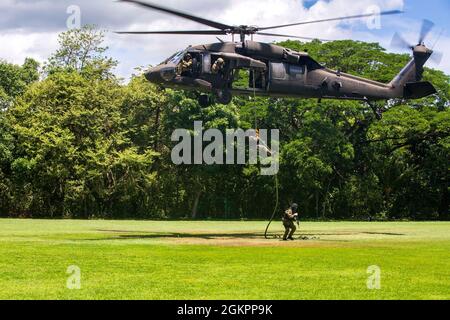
x: 187, y: 57
x: 220, y: 61
x: 294, y: 207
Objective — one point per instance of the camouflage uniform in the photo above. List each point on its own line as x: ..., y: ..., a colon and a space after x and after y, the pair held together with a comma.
x: 218, y: 66
x: 185, y: 66
x: 288, y: 223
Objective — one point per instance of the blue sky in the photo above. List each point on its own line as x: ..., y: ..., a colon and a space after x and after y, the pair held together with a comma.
x: 437, y: 11
x: 408, y: 24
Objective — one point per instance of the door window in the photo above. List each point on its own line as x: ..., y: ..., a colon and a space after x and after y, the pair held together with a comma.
x: 296, y: 71
x: 278, y: 71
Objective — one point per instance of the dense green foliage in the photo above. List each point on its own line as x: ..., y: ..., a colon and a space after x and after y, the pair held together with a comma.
x: 77, y: 142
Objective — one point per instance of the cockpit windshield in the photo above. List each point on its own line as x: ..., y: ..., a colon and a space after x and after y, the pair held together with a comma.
x: 176, y: 58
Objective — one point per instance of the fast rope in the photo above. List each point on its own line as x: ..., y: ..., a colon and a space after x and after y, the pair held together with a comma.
x: 275, y: 210
x: 254, y: 97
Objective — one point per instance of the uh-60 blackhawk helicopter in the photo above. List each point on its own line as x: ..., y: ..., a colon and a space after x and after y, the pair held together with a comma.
x: 276, y: 71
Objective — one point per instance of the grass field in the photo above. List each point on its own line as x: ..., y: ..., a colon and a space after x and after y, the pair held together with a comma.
x: 222, y: 260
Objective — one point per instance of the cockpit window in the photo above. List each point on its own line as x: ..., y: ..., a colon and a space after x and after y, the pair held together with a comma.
x: 176, y: 58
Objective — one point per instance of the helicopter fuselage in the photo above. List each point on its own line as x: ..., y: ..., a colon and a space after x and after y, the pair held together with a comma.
x: 274, y: 71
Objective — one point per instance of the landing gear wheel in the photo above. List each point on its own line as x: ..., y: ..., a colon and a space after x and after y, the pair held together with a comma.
x: 204, y: 101
x: 224, y: 96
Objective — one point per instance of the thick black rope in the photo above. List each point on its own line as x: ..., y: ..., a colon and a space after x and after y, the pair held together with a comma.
x: 275, y: 210
x: 276, y: 176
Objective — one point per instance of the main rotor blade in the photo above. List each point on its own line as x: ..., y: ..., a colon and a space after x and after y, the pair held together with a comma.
x: 181, y: 14
x: 289, y: 36
x: 383, y: 13
x: 436, y: 57
x: 194, y: 32
x: 399, y: 42
x: 427, y: 26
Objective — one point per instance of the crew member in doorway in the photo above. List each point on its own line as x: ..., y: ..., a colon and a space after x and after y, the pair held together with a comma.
x: 218, y: 66
x: 185, y: 68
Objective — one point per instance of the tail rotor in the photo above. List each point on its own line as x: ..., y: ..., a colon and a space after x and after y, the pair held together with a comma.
x: 399, y: 42
x: 427, y: 26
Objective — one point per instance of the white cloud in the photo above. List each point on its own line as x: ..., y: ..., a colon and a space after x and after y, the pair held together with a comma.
x: 249, y: 12
x: 18, y: 46
x: 134, y: 51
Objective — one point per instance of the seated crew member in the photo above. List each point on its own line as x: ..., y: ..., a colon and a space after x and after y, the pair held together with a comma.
x: 185, y: 67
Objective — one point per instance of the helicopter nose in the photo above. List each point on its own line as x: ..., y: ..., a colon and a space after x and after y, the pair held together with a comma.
x: 153, y: 76
x: 161, y: 74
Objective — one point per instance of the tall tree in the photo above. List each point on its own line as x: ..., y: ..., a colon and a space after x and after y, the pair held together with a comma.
x: 82, y: 50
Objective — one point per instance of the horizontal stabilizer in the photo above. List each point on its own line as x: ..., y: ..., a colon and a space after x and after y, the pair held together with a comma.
x: 416, y: 90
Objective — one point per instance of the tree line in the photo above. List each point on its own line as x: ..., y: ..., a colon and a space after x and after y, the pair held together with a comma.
x: 78, y: 142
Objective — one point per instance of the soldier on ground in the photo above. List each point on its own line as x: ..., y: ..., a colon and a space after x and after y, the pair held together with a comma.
x: 289, y: 219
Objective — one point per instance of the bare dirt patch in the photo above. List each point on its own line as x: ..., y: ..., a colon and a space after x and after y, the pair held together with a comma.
x: 245, y: 242
x: 231, y: 239
x: 312, y: 238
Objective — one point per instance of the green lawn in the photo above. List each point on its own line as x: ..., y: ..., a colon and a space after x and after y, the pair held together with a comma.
x: 222, y: 260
